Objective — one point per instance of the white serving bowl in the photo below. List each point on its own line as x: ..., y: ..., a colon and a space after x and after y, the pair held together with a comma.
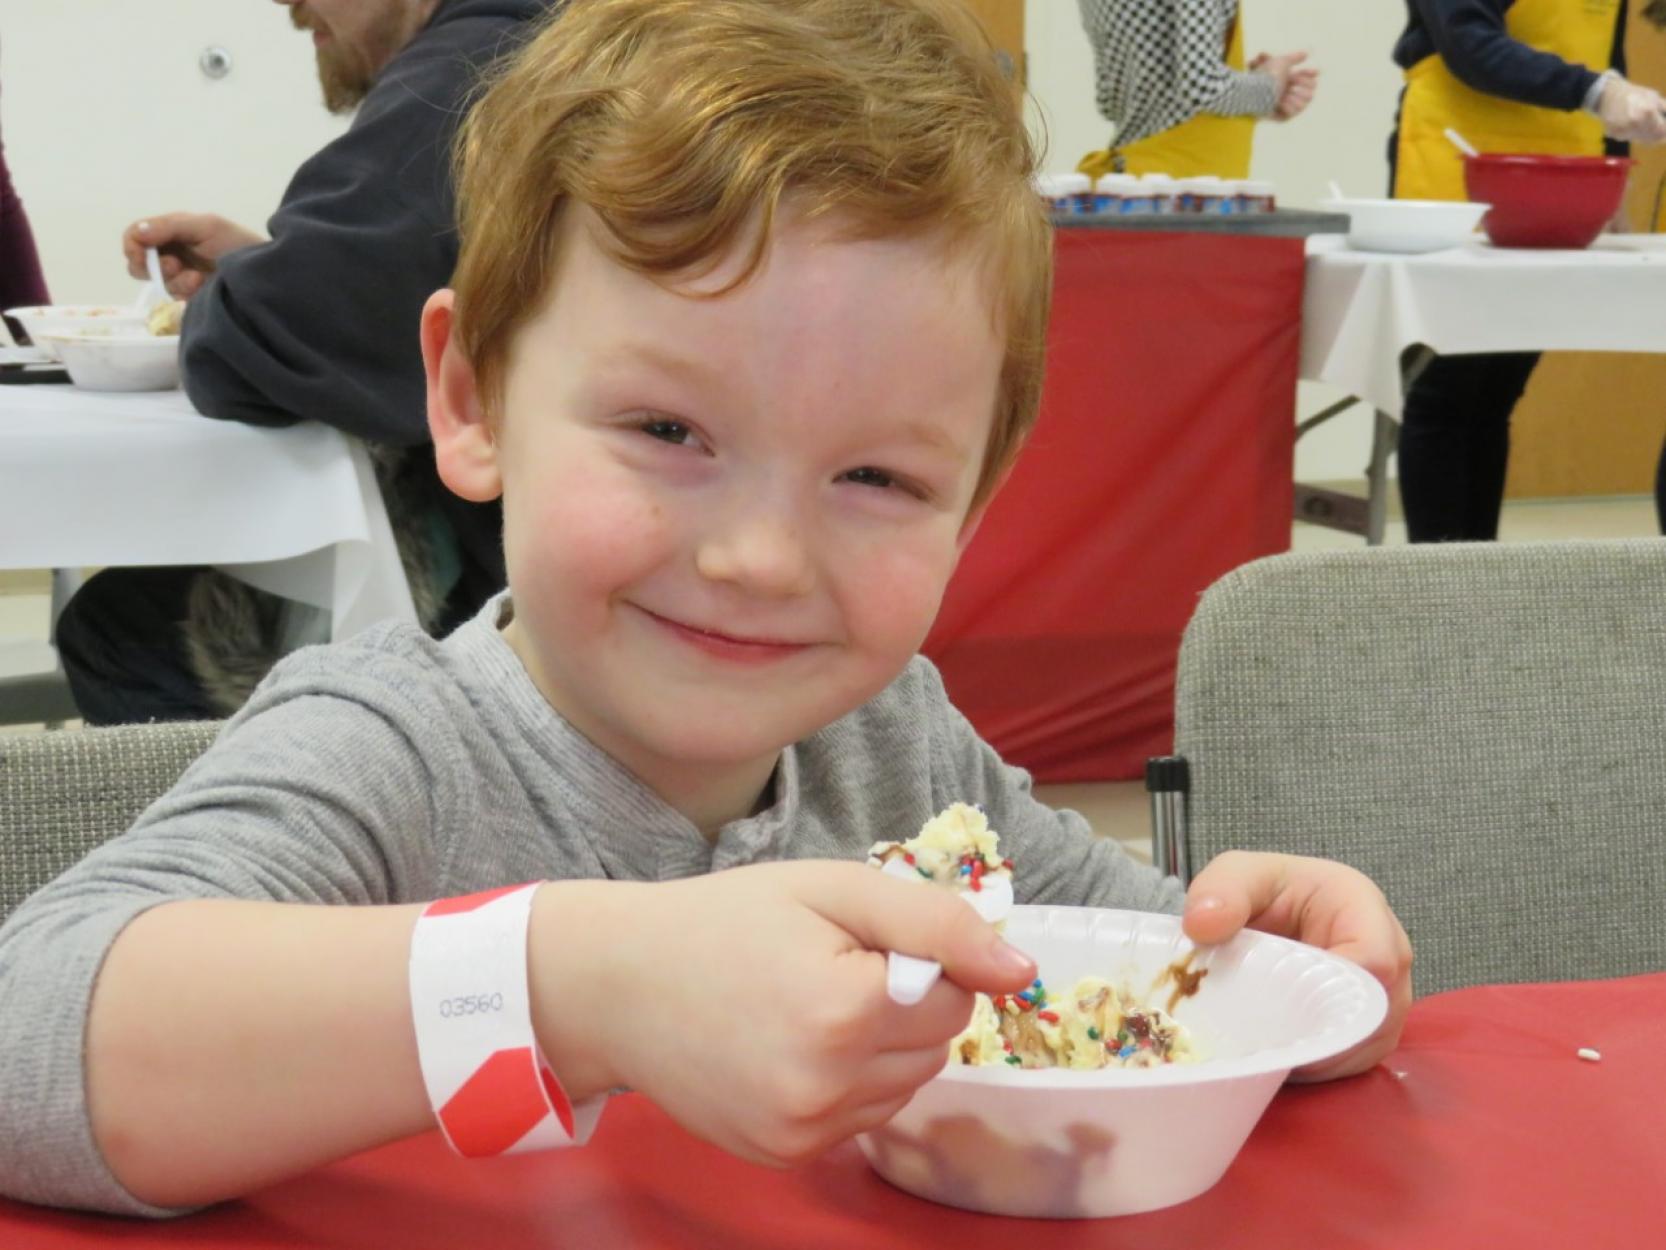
x: 59, y: 319
x: 1067, y: 1144
x: 1408, y: 225
x: 118, y: 362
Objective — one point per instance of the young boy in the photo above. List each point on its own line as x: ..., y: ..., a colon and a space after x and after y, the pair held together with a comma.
x: 747, y: 326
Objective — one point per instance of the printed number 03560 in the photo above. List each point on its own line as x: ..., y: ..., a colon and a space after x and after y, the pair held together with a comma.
x: 470, y: 1004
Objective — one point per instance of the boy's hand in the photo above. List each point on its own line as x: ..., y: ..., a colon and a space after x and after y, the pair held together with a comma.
x: 751, y: 1004
x: 1322, y: 903
x: 190, y: 244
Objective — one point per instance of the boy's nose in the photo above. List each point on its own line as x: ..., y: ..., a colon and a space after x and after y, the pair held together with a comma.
x: 759, y: 551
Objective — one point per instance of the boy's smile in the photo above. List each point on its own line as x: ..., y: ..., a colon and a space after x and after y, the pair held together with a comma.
x: 729, y: 518
x: 725, y: 646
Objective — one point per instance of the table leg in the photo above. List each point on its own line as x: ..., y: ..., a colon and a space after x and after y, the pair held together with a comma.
x: 1319, y: 505
x: 1384, y: 433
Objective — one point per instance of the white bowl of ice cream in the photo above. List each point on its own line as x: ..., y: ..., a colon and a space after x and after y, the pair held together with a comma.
x: 117, y: 362
x: 1064, y: 1143
x: 53, y: 320
x: 1409, y: 225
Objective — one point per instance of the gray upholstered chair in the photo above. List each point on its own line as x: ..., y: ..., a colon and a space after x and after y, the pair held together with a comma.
x: 1480, y: 728
x: 64, y: 792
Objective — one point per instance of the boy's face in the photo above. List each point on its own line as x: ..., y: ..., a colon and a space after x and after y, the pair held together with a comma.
x: 729, y: 521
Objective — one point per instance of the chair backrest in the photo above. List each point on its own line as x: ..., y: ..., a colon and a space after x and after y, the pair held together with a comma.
x: 64, y: 792
x: 1479, y: 728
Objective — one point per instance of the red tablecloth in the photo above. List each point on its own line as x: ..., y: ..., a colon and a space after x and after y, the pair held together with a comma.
x: 1162, y: 460
x: 1495, y: 1134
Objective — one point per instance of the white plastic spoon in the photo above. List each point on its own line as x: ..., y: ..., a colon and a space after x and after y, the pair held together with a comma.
x: 907, y: 977
x: 1458, y: 141
x: 153, y: 266
x: 155, y: 291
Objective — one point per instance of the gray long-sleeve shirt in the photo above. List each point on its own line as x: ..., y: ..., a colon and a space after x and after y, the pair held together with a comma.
x: 395, y: 768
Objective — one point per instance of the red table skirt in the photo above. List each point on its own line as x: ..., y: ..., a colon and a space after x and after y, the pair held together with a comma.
x: 1483, y: 1130
x: 1162, y: 460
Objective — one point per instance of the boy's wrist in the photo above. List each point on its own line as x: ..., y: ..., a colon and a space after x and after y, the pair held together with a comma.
x: 489, y: 1082
x: 571, y: 935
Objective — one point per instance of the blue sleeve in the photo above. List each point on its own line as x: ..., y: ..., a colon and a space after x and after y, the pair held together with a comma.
x: 1470, y: 37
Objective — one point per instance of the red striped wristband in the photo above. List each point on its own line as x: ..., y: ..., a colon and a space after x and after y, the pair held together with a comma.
x: 488, y: 1082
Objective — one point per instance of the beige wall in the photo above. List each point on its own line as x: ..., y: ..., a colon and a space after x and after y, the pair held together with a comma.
x: 106, y: 117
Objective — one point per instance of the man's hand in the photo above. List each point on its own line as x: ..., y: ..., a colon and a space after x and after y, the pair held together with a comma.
x: 751, y: 1004
x: 1632, y: 113
x: 1295, y: 84
x: 1322, y: 903
x: 190, y: 244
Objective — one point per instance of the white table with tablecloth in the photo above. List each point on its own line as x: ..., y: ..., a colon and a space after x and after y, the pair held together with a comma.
x: 1363, y: 310
x: 89, y: 478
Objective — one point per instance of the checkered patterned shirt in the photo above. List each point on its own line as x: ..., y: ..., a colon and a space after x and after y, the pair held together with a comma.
x: 1162, y: 62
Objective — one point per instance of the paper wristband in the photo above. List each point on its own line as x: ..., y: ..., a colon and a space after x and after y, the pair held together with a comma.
x: 490, y: 1086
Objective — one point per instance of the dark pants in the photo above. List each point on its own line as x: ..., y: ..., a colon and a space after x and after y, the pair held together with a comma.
x: 124, y: 645
x: 1660, y: 491
x: 1455, y: 444
x: 121, y: 639
x: 1455, y: 447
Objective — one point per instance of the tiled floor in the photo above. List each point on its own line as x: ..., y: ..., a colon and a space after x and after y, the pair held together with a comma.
x: 1116, y: 809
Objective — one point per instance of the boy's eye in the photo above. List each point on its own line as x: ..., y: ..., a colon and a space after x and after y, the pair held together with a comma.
x: 668, y: 431
x: 869, y: 476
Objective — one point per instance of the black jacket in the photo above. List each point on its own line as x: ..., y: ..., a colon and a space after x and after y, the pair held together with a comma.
x: 1469, y: 36
x: 321, y: 322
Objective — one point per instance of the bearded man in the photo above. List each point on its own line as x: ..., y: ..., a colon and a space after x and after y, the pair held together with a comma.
x: 316, y: 322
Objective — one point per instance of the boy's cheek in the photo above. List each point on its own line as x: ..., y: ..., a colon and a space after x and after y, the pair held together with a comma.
x: 591, y: 521
x: 897, y: 593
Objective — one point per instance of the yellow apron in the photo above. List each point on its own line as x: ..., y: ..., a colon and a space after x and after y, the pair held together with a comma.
x: 1428, y: 167
x: 1206, y: 144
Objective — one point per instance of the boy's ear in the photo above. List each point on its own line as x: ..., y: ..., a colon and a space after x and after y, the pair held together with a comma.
x: 465, y: 450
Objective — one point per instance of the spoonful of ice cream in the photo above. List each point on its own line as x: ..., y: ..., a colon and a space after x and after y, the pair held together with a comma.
x: 954, y: 850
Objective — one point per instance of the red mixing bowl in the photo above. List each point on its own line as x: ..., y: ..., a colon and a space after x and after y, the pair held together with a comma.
x: 1546, y: 201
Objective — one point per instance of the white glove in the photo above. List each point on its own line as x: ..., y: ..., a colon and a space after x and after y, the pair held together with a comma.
x: 1632, y: 113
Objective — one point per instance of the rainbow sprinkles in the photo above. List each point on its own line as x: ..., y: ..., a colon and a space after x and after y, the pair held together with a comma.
x: 1094, y: 1026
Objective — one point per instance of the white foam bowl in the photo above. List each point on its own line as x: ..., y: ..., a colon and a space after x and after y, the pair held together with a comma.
x: 1409, y: 225
x: 118, y: 362
x: 58, y: 319
x: 1057, y: 1143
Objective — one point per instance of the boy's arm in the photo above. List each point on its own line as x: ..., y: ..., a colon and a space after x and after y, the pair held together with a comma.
x: 294, y: 804
x: 231, y: 1044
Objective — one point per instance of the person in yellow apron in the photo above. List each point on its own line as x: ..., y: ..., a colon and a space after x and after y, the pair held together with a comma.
x: 1173, y: 82
x: 1530, y: 76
